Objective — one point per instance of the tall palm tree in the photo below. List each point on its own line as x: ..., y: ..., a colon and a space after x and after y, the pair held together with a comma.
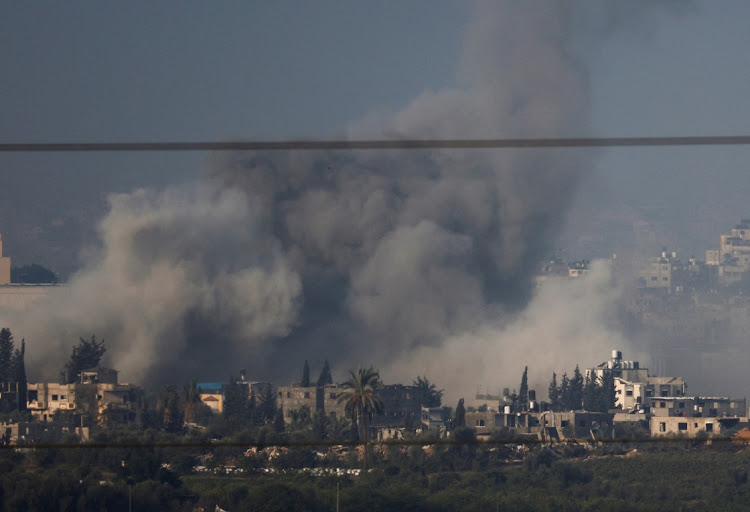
x: 361, y: 400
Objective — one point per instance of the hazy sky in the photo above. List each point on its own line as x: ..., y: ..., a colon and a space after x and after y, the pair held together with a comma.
x: 190, y: 70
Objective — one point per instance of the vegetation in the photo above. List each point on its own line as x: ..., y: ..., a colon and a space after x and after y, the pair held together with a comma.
x: 361, y: 402
x: 32, y: 274
x: 431, y: 395
x: 85, y: 355
x: 325, y: 375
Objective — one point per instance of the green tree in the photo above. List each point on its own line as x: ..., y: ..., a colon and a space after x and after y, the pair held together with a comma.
x: 305, y: 375
x: 608, y: 397
x: 191, y: 398
x: 87, y: 354
x: 237, y: 406
x: 32, y: 274
x: 460, y: 415
x: 168, y: 409
x: 431, y: 396
x: 591, y: 394
x: 523, y: 390
x: 361, y: 399
x: 18, y: 367
x: 325, y: 375
x: 565, y: 393
x: 554, y: 393
x: 576, y: 389
x: 6, y: 355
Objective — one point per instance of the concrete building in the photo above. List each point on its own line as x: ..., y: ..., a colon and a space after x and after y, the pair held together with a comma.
x: 545, y: 426
x: 97, y: 393
x: 634, y: 387
x: 692, y: 426
x: 402, y: 405
x: 4, y: 266
x: 32, y: 432
x: 325, y: 399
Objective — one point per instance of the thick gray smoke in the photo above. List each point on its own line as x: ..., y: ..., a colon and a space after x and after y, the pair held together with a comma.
x: 357, y: 257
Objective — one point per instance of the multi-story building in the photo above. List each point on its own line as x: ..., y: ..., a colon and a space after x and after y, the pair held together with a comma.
x: 97, y: 394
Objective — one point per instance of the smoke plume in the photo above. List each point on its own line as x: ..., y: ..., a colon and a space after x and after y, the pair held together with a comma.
x: 363, y: 257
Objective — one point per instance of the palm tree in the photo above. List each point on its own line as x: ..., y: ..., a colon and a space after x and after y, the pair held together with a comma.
x: 361, y: 399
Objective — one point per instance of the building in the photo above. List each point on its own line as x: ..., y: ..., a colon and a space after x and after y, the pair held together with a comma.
x: 691, y: 427
x: 4, y: 266
x: 324, y: 399
x: 402, y: 405
x: 544, y: 426
x: 33, y: 432
x: 634, y: 387
x: 97, y: 395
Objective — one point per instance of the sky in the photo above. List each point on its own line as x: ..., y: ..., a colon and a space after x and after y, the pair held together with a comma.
x: 91, y: 71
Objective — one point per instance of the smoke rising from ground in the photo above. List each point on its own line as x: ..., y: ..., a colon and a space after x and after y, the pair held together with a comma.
x: 360, y: 257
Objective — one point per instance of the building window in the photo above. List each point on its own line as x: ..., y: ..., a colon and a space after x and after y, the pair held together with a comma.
x: 307, y: 394
x: 653, y: 278
x: 480, y: 423
x: 564, y: 423
x: 662, y: 427
x: 709, y: 427
x: 63, y: 397
x: 54, y: 398
x: 281, y: 395
x: 628, y: 392
x: 332, y: 395
x: 289, y: 394
x: 682, y: 426
x: 681, y: 405
x: 662, y: 404
x: 665, y: 279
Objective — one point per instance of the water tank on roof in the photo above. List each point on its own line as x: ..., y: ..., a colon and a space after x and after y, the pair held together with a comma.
x: 506, y: 409
x: 617, y: 355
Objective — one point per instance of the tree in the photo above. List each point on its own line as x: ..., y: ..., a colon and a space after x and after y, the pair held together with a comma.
x: 87, y: 354
x: 591, y: 394
x: 576, y: 390
x: 18, y: 366
x: 237, y: 406
x: 565, y: 393
x: 430, y: 395
x: 305, y: 375
x: 325, y: 375
x: 361, y: 399
x: 32, y: 274
x: 168, y: 409
x: 460, y: 416
x: 523, y: 391
x: 608, y: 396
x: 191, y: 397
x: 6, y: 355
x: 554, y: 393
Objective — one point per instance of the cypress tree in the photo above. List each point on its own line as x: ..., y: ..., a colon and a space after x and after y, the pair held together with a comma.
x: 325, y: 375
x: 6, y: 355
x: 460, y: 417
x: 305, y: 375
x: 523, y: 391
x: 554, y: 393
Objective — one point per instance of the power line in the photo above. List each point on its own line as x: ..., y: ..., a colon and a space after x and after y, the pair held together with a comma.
x: 342, y: 144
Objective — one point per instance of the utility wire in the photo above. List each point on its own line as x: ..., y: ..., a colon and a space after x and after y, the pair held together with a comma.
x: 341, y: 144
